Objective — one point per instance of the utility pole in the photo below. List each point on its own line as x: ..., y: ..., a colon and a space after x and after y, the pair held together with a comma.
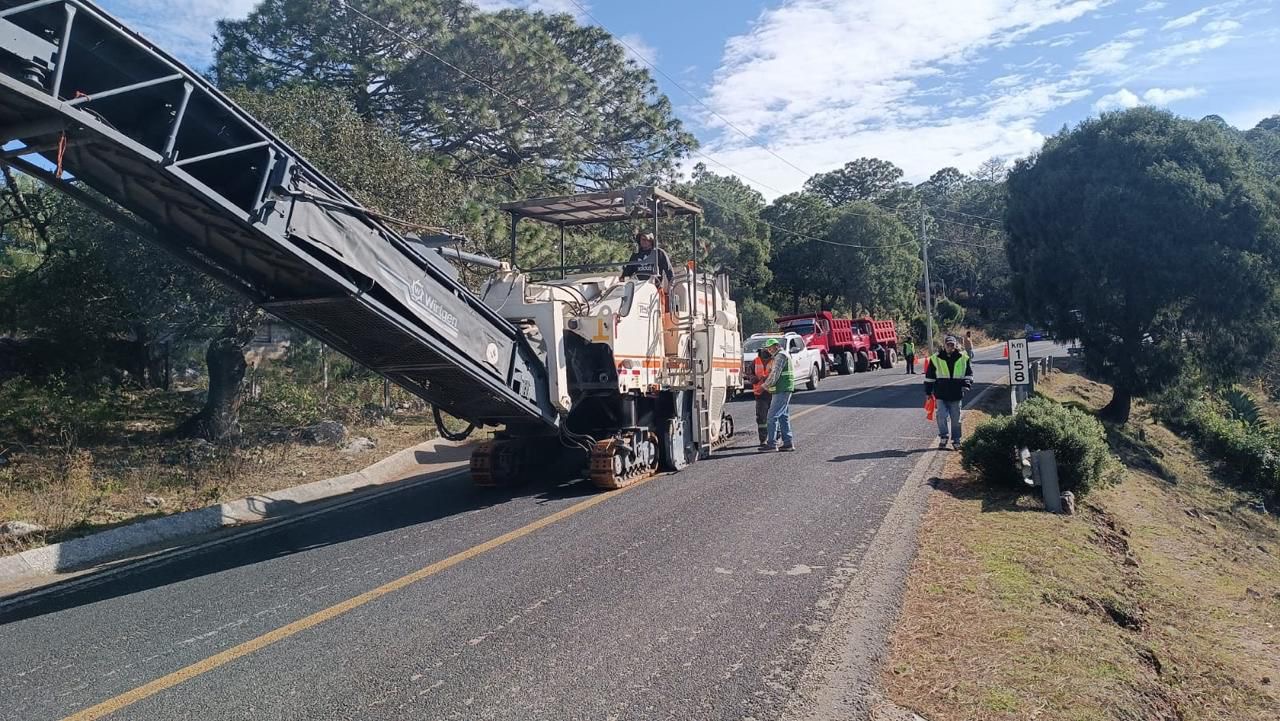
x: 928, y: 291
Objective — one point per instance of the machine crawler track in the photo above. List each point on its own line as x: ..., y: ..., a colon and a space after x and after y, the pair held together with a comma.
x: 611, y: 468
x: 482, y: 465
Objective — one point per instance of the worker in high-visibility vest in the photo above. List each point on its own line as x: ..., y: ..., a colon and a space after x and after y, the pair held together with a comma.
x: 946, y: 380
x: 781, y: 383
x: 763, y: 397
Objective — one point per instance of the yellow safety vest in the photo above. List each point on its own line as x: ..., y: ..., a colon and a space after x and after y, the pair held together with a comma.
x: 941, y: 369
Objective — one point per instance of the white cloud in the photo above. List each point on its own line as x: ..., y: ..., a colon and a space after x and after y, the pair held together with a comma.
x: 1121, y: 99
x: 546, y: 6
x: 1005, y: 81
x: 856, y: 57
x: 1125, y: 98
x: 1187, y: 51
x: 1109, y: 57
x: 1152, y: 6
x: 1186, y: 20
x: 824, y: 81
x: 182, y: 27
x: 1061, y: 41
x: 1163, y: 96
x: 638, y: 49
x: 1221, y: 26
x: 185, y: 28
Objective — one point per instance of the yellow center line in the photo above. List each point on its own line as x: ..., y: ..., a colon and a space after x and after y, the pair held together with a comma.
x: 198, y: 668
x: 206, y: 665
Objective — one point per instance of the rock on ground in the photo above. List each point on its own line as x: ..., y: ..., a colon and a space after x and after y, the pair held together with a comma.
x: 19, y: 529
x: 359, y: 444
x: 324, y: 433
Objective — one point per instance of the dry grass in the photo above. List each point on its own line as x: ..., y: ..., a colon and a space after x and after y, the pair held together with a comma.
x: 980, y: 337
x: 1159, y: 600
x: 83, y: 485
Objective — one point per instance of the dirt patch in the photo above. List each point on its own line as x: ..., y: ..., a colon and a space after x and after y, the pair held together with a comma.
x: 1159, y: 600
x: 137, y: 471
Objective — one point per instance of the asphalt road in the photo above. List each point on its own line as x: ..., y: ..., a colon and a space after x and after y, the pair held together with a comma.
x: 700, y: 595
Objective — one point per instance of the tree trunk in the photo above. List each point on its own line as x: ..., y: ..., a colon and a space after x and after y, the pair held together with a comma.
x: 1118, y: 408
x: 220, y: 418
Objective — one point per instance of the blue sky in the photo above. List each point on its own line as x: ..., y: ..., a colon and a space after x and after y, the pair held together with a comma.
x: 923, y: 83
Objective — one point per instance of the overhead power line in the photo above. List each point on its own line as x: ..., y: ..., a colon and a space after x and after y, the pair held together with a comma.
x: 690, y: 93
x: 525, y: 105
x: 730, y: 124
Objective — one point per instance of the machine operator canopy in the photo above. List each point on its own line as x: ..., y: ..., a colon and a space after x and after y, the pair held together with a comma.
x: 604, y: 207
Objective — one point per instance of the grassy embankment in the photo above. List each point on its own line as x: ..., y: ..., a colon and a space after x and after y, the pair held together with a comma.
x: 1160, y: 599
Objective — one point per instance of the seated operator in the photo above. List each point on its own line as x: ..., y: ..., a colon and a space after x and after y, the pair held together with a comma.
x: 648, y: 260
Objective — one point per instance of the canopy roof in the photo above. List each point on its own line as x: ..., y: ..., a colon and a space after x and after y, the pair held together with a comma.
x: 605, y: 207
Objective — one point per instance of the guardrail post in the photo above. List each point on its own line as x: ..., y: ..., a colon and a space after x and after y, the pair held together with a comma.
x: 1044, y: 468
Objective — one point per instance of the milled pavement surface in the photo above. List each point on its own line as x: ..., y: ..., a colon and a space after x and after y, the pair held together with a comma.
x: 704, y: 594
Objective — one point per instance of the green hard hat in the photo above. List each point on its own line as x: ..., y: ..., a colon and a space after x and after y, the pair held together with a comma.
x: 771, y: 343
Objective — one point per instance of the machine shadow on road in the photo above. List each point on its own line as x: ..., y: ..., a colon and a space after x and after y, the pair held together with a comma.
x: 389, y: 513
x: 880, y: 455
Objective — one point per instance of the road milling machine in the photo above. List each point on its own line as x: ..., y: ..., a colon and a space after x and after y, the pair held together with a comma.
x: 619, y: 376
x: 638, y: 367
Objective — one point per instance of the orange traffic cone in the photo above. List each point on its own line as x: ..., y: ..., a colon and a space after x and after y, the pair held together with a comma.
x: 1006, y: 349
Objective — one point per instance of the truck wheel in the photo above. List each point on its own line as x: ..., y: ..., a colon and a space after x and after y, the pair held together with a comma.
x: 812, y: 383
x: 863, y: 364
x: 886, y: 360
x: 845, y: 366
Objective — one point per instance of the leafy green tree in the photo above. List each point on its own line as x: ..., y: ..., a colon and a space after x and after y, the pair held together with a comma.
x: 967, y: 254
x: 798, y: 218
x: 755, y: 317
x: 867, y: 179
x: 735, y: 237
x: 878, y: 265
x: 98, y: 299
x: 854, y: 258
x: 563, y: 105
x: 1264, y: 139
x: 1154, y: 241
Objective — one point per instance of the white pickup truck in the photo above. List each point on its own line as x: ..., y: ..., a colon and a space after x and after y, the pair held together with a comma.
x: 807, y: 361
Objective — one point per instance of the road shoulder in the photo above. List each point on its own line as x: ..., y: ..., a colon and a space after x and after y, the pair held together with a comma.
x: 167, y: 536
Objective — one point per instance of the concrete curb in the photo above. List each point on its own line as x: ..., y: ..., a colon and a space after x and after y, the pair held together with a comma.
x: 429, y: 457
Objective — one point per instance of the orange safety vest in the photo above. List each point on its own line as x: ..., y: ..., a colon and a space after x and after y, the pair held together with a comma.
x: 762, y: 372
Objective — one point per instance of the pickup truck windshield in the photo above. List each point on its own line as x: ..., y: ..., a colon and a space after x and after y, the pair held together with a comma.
x: 753, y: 344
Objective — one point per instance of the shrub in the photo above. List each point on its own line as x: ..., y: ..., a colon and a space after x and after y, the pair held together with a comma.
x: 990, y: 451
x: 950, y: 314
x: 1251, y: 453
x: 1243, y: 407
x: 1229, y: 427
x: 1078, y: 440
x: 54, y: 411
x: 755, y: 317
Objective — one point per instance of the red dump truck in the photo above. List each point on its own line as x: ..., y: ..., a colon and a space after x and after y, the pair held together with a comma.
x: 848, y: 346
